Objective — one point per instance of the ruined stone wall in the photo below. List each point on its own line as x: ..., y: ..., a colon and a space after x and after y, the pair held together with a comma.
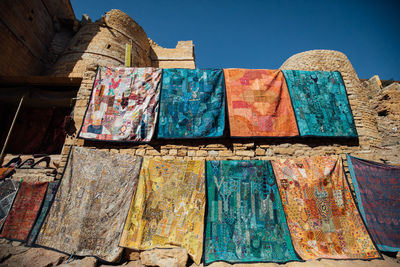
x: 261, y: 148
x: 182, y: 56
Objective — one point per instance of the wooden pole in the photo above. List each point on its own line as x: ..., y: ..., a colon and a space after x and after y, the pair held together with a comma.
x: 10, y: 130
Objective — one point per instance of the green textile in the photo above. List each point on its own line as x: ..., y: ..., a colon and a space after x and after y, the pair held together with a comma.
x: 245, y: 220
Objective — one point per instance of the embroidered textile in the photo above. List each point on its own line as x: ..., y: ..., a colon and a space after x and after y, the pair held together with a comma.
x: 123, y: 104
x: 91, y: 204
x: 168, y: 209
x: 322, y: 217
x: 259, y: 103
x: 192, y: 103
x: 23, y: 212
x: 245, y: 220
x: 320, y: 103
x: 8, y: 191
x: 48, y: 200
x: 377, y: 188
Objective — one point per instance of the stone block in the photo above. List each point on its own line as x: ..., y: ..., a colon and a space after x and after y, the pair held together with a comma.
x: 175, y: 257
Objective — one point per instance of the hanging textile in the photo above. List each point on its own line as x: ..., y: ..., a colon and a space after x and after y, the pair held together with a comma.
x: 168, y: 209
x: 91, y: 204
x: 23, y: 212
x: 259, y: 103
x: 192, y: 103
x: 377, y: 188
x: 8, y: 191
x: 322, y: 217
x: 245, y: 219
x: 48, y: 200
x: 123, y: 105
x: 320, y: 103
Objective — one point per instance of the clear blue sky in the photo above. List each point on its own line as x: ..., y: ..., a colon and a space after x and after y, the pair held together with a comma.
x: 263, y: 34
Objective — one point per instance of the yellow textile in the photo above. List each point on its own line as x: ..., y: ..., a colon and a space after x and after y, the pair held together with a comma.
x: 168, y: 208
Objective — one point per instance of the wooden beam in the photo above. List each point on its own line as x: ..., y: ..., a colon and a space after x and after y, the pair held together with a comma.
x: 42, y: 81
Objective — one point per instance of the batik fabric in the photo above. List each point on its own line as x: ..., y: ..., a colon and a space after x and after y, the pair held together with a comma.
x: 23, y: 212
x: 192, y: 103
x: 259, y: 103
x: 377, y: 188
x: 320, y: 103
x: 8, y: 191
x: 48, y: 200
x: 91, y: 204
x: 245, y: 219
x: 322, y: 217
x: 168, y: 208
x: 123, y: 105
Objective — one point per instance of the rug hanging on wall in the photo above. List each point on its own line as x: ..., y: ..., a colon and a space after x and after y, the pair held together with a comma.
x: 47, y: 202
x: 8, y: 191
x: 123, y: 105
x: 259, y: 103
x: 192, y: 103
x: 322, y: 217
x: 168, y: 209
x: 377, y: 188
x: 23, y: 212
x: 245, y: 219
x: 91, y: 204
x: 320, y: 103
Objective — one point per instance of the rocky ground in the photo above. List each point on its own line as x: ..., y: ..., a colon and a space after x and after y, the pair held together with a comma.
x: 14, y: 254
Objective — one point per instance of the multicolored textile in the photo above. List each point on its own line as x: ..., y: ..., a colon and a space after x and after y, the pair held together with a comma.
x: 245, y: 220
x: 91, y: 204
x: 259, y: 103
x: 23, y: 213
x: 320, y: 103
x: 123, y: 105
x: 48, y: 200
x: 168, y: 209
x: 192, y: 103
x: 322, y: 217
x: 377, y: 188
x: 8, y: 191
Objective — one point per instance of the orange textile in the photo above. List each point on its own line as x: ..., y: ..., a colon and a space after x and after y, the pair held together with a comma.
x: 259, y: 103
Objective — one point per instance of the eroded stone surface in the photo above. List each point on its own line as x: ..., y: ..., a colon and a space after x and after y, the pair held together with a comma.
x: 174, y: 257
x: 35, y: 257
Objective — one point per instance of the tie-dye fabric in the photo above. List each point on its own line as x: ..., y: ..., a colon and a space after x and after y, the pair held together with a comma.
x: 48, y: 200
x: 259, y: 103
x: 320, y: 103
x: 168, y: 209
x: 123, y: 105
x: 245, y: 219
x: 377, y: 188
x: 8, y: 191
x: 23, y: 212
x: 322, y: 217
x: 90, y: 207
x: 192, y: 103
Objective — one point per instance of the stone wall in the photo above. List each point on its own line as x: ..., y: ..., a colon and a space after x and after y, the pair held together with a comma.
x: 182, y: 56
x: 226, y: 148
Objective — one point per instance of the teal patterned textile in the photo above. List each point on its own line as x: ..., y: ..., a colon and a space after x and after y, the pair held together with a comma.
x: 245, y: 219
x: 320, y: 103
x: 48, y: 200
x: 192, y: 103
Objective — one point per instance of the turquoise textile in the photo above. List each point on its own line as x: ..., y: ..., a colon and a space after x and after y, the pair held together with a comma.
x: 245, y: 220
x: 192, y: 103
x: 320, y: 103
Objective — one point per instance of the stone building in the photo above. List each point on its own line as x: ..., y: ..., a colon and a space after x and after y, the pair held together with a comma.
x: 51, y: 58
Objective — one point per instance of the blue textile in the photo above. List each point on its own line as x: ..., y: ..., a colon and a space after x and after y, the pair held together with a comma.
x: 192, y: 103
x: 245, y: 220
x: 320, y: 103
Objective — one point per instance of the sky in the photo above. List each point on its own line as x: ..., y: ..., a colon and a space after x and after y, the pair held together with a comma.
x: 258, y: 34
